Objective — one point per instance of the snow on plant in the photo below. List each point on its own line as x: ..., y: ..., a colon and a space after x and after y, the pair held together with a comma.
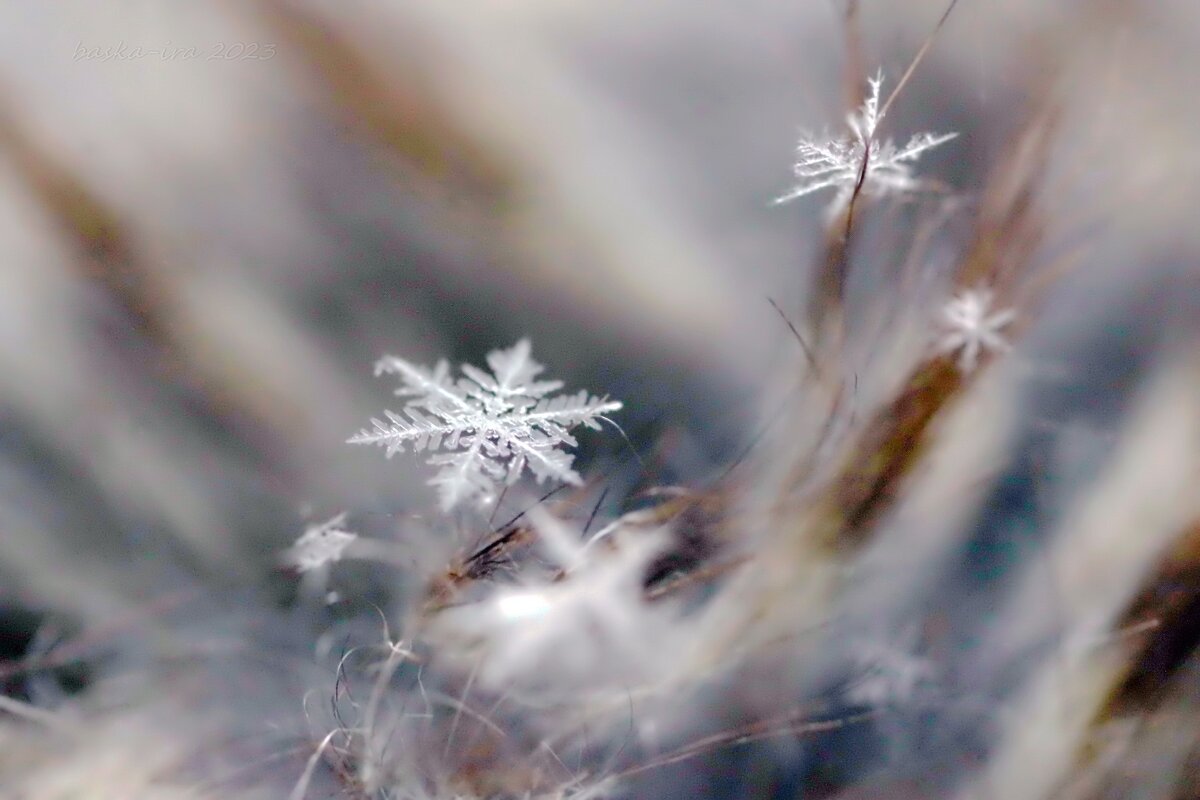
x: 972, y: 328
x: 843, y: 163
x: 547, y: 632
x: 490, y: 426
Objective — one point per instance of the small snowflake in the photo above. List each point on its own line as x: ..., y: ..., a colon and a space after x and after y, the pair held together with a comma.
x: 825, y: 163
x: 492, y: 426
x: 972, y: 328
x: 321, y: 544
x: 889, y: 673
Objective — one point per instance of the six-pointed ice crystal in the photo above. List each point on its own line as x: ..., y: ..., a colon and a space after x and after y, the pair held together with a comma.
x: 972, y: 328
x: 489, y: 427
x: 858, y: 161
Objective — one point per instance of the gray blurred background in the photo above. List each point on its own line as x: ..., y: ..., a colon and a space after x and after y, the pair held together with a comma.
x: 216, y: 216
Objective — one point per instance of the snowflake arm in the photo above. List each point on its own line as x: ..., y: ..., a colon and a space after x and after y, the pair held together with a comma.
x: 839, y: 163
x: 514, y: 372
x: 971, y: 328
x: 464, y: 475
x: 433, y: 388
x: 864, y: 123
x: 820, y: 165
x: 490, y: 427
x: 919, y: 144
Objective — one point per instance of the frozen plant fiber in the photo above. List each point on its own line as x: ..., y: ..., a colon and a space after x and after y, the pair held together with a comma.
x: 490, y: 426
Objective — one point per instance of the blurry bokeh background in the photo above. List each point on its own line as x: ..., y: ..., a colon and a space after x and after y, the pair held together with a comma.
x: 215, y: 216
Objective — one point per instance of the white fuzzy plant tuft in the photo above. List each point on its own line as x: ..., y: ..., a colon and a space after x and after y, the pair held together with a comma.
x: 858, y: 156
x: 490, y: 427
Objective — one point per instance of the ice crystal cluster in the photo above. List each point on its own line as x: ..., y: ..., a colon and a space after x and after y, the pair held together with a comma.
x: 859, y: 162
x: 488, y: 427
x: 321, y: 544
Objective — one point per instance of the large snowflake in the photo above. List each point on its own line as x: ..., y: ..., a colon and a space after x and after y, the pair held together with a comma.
x: 489, y: 427
x: 843, y: 163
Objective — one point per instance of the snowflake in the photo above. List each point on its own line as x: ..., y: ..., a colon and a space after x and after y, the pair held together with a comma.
x: 889, y: 673
x: 491, y: 427
x: 826, y: 163
x: 972, y: 328
x: 321, y: 544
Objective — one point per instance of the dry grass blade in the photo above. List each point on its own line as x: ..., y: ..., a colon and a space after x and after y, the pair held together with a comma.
x: 404, y: 114
x: 106, y: 251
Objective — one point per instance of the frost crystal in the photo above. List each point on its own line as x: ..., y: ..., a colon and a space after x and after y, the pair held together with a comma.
x: 839, y: 163
x: 972, y: 328
x: 491, y: 427
x: 321, y: 544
